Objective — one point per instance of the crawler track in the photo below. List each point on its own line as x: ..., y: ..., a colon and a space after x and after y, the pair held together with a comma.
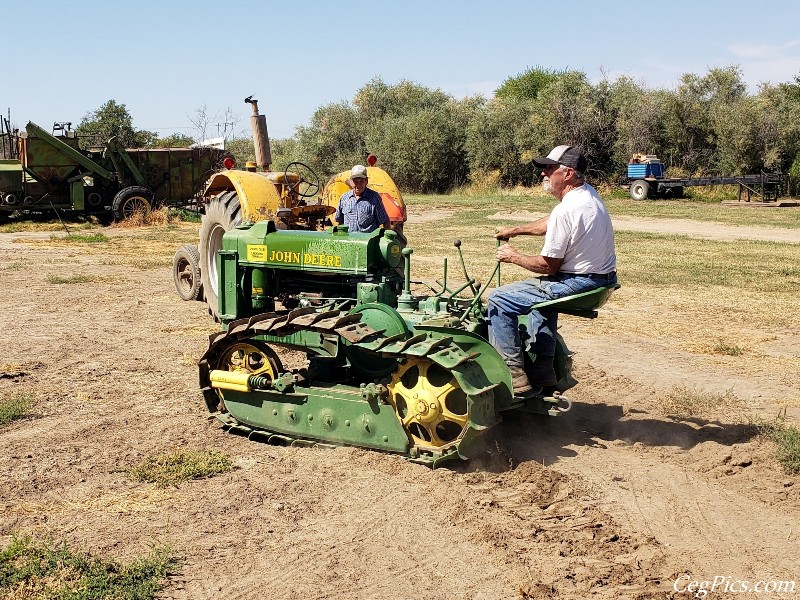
x: 434, y: 391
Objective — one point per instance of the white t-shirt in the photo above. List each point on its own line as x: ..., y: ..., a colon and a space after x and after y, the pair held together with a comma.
x: 579, y: 231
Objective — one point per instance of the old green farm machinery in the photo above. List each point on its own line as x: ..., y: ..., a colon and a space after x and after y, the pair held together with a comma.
x: 42, y: 172
x: 383, y: 368
x: 386, y: 369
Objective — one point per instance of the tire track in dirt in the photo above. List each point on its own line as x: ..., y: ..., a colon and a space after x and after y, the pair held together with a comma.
x: 718, y: 532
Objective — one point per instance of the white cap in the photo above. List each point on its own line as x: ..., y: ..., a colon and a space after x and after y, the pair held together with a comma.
x: 358, y: 171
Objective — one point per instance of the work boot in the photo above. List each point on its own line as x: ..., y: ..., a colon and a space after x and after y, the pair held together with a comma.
x: 519, y: 382
x: 543, y: 371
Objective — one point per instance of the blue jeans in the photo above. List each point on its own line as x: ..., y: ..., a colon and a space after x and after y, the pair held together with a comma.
x: 510, y: 301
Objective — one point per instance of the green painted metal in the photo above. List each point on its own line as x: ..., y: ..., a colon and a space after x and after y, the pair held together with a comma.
x: 115, y: 149
x: 580, y: 305
x: 591, y: 300
x: 336, y: 250
x: 335, y: 414
x: 363, y: 332
x: 72, y: 153
x: 49, y: 168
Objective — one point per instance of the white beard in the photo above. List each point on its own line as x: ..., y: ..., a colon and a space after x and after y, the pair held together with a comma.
x: 547, y: 186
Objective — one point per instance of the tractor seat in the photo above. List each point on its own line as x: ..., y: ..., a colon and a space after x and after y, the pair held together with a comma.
x: 583, y: 305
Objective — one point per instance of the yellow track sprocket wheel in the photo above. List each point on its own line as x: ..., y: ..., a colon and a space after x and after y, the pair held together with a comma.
x: 429, y: 402
x: 254, y: 357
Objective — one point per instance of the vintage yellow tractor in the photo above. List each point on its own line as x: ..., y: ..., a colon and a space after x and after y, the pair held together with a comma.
x: 292, y: 198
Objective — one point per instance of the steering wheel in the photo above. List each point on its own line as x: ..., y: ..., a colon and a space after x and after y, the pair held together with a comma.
x: 306, y: 175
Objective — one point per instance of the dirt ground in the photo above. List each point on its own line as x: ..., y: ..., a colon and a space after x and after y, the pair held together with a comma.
x: 611, y: 500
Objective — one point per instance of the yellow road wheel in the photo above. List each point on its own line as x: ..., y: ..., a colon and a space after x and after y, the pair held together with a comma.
x: 429, y: 402
x: 253, y: 357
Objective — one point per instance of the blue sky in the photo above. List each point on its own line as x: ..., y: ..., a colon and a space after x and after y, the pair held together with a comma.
x: 164, y: 60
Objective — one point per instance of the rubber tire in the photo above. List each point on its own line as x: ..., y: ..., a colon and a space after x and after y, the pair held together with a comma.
x: 187, y: 262
x: 677, y: 191
x: 640, y: 189
x: 223, y: 213
x: 129, y: 199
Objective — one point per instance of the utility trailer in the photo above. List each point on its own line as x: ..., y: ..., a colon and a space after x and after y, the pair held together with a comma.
x: 41, y: 172
x: 645, y: 180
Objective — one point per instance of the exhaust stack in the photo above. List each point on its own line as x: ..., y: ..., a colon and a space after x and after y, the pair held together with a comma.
x: 260, y: 136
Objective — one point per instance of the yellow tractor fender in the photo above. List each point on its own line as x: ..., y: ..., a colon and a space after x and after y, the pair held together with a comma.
x: 259, y: 195
x: 380, y: 181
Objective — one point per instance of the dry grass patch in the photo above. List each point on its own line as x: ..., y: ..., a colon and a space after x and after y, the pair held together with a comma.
x: 682, y: 403
x: 47, y: 225
x: 143, y: 264
x: 149, y: 218
x: 189, y: 360
x: 81, y: 278
x: 720, y: 347
x: 181, y: 465
x: 15, y: 266
x: 787, y: 439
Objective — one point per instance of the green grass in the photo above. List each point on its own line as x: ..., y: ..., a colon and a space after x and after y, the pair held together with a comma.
x: 181, y: 465
x: 186, y: 215
x: 787, y: 439
x: 41, y: 569
x: 44, y: 225
x: 80, y: 238
x: 58, y: 279
x: 16, y: 407
x: 661, y: 260
x: 669, y: 260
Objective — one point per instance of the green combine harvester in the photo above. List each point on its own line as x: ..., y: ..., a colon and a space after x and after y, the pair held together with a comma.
x: 387, y: 369
x: 43, y: 173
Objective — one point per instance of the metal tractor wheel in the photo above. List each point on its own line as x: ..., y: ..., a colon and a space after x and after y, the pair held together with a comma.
x: 429, y: 402
x: 223, y: 213
x: 131, y: 200
x: 186, y: 273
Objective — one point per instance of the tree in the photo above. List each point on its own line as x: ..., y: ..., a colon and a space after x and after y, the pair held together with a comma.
x: 572, y: 111
x: 424, y: 150
x: 499, y: 139
x: 174, y: 140
x: 418, y: 133
x: 637, y: 114
x: 221, y: 124
x: 528, y: 84
x: 334, y: 140
x: 112, y: 120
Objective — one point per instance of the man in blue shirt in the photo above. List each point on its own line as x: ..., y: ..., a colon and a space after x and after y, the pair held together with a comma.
x: 361, y: 209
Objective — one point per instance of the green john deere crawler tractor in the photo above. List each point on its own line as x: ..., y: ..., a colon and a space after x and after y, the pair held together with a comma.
x: 387, y: 369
